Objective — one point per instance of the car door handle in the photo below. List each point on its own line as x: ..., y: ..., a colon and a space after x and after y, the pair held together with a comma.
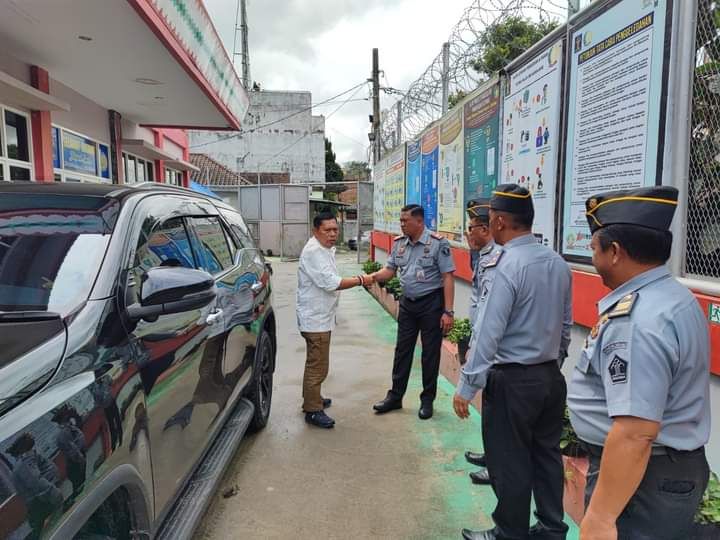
x: 214, y: 317
x: 257, y: 287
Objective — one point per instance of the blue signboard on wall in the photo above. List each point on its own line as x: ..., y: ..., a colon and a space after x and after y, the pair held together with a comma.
x: 430, y: 151
x: 56, y: 147
x: 104, y: 165
x: 79, y: 154
x: 413, y: 174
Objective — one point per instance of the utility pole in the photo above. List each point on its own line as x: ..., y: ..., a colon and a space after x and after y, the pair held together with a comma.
x: 376, y: 105
x: 398, y: 128
x: 445, y: 77
x: 241, y: 18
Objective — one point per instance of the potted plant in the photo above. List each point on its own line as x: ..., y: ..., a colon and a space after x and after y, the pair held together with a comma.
x: 393, y: 287
x: 460, y: 335
x: 707, y: 520
x: 569, y: 442
x: 371, y: 266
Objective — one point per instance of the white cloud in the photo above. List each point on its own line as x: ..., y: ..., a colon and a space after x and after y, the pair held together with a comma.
x: 326, y: 47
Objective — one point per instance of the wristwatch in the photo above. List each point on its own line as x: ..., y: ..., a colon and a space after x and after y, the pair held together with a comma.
x: 450, y: 313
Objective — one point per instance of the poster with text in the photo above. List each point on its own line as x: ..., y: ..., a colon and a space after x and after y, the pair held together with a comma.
x: 394, y: 189
x: 614, y: 109
x: 531, y: 141
x: 414, y: 174
x: 450, y: 184
x: 378, y: 178
x: 482, y: 123
x: 428, y: 191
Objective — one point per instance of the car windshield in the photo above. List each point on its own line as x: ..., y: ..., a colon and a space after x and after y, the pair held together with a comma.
x: 51, y: 248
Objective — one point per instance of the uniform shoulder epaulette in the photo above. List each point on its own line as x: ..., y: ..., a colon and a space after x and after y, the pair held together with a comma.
x: 493, y: 259
x: 436, y: 236
x: 623, y: 307
x: 398, y: 238
x: 487, y: 249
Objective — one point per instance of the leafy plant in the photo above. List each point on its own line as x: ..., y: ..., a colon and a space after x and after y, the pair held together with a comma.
x: 460, y: 330
x: 709, y: 510
x: 371, y: 266
x: 569, y: 442
x: 393, y: 286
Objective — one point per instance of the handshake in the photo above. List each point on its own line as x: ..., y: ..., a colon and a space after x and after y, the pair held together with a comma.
x: 366, y: 280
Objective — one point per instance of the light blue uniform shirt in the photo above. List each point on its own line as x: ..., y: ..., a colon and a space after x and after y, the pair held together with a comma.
x: 651, y: 362
x: 420, y: 266
x: 524, y: 312
x: 477, y: 258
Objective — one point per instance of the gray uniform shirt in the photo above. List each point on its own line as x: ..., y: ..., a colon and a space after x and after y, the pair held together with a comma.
x: 524, y: 312
x: 648, y: 357
x: 477, y: 259
x: 421, y: 265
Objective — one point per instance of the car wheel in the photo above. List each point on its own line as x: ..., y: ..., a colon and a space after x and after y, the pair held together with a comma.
x: 262, y: 383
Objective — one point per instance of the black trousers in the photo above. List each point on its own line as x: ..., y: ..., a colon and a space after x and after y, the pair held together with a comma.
x: 667, y: 499
x: 522, y: 415
x: 420, y: 316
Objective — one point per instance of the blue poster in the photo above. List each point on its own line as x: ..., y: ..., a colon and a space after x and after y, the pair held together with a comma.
x: 428, y: 190
x: 614, y: 109
x: 79, y: 154
x: 413, y: 174
x: 482, y: 126
x: 104, y: 161
x: 56, y: 147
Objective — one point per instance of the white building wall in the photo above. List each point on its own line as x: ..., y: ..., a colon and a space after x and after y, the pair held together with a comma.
x: 280, y: 136
x: 85, y: 116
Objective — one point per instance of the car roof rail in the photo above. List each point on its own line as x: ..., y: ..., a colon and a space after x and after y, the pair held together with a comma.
x: 158, y: 186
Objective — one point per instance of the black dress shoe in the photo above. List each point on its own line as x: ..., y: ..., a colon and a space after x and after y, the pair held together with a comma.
x: 326, y: 403
x: 426, y: 411
x: 540, y: 532
x: 480, y: 478
x: 490, y: 534
x: 319, y: 419
x: 386, y: 405
x: 476, y: 459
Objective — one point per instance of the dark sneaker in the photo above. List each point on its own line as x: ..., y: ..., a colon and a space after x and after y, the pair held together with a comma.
x: 319, y: 419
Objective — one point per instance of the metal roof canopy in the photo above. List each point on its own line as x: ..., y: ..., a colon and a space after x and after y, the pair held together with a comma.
x: 122, y: 56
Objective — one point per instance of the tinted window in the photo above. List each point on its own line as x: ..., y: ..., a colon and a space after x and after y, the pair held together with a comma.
x: 213, y: 251
x: 167, y: 245
x: 51, y: 248
x: 240, y: 230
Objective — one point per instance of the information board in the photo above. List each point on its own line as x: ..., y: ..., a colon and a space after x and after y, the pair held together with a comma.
x: 450, y: 185
x: 531, y: 138
x: 614, y: 109
x: 413, y: 174
x: 430, y: 147
x: 482, y: 123
x: 378, y: 178
x: 394, y: 189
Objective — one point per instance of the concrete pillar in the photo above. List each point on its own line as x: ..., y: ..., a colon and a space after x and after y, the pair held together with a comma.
x: 41, y: 127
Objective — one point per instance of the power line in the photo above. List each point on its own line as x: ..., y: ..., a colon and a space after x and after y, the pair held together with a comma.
x: 243, y: 132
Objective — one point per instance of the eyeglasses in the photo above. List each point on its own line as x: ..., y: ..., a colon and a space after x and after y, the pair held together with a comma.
x: 471, y: 227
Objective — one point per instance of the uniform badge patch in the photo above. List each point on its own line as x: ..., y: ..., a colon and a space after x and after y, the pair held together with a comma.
x: 596, y: 329
x: 618, y: 370
x: 446, y: 251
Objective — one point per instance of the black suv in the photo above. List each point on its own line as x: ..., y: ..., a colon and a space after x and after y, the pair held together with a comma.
x: 137, y: 346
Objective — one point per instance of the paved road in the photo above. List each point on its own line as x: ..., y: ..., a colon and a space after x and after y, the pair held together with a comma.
x: 393, y: 476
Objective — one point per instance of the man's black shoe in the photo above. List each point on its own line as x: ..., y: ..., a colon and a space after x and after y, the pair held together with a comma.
x: 426, y: 411
x: 386, y: 405
x: 480, y: 478
x: 319, y: 419
x: 476, y: 459
x: 490, y: 534
x: 326, y: 403
x: 540, y: 532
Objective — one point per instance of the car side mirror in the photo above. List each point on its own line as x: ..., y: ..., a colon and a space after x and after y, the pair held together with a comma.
x: 168, y: 290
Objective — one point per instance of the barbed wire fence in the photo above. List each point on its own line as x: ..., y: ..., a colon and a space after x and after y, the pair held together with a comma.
x: 422, y: 102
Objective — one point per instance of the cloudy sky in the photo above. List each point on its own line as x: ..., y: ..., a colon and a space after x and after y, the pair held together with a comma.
x: 325, y: 46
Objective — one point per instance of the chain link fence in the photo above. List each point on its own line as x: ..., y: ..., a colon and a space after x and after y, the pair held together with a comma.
x: 703, y: 219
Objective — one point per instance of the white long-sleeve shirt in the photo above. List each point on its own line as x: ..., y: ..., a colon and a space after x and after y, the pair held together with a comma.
x: 317, y: 294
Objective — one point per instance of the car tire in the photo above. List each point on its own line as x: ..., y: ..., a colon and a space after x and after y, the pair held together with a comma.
x: 261, y: 387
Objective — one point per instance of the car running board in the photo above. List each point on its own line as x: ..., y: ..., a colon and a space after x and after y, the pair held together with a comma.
x: 190, y: 507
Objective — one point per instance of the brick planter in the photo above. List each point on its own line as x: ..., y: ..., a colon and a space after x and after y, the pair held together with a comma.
x: 385, y: 299
x: 576, y: 469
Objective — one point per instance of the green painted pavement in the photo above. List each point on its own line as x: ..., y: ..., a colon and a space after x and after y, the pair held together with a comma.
x: 446, y: 438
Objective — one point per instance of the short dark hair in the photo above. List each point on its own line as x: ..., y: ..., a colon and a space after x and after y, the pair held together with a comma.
x: 322, y: 216
x: 482, y: 220
x: 642, y: 244
x: 520, y: 221
x: 415, y: 210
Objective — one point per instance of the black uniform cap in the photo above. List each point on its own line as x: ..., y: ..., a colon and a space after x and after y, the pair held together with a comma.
x: 512, y: 199
x: 479, y: 208
x: 651, y: 207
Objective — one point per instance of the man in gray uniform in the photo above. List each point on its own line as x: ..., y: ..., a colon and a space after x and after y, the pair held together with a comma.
x: 639, y: 395
x: 523, y: 331
x: 481, y: 245
x: 425, y: 264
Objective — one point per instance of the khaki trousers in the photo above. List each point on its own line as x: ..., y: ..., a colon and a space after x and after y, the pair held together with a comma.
x: 317, y: 364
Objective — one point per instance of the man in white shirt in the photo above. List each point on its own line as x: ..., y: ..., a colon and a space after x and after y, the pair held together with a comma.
x: 317, y: 298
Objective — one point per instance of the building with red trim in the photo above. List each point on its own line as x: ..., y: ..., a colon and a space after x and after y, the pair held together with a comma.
x: 104, y: 91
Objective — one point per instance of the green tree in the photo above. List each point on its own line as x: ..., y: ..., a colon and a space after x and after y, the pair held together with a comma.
x: 505, y: 40
x: 333, y: 171
x: 357, y: 170
x: 456, y: 98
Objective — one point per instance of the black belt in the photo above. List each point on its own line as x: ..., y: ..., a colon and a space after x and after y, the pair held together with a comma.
x: 423, y: 297
x: 595, y: 450
x: 515, y: 365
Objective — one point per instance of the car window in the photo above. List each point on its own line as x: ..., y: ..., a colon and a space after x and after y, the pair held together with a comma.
x: 166, y: 245
x: 213, y: 251
x: 51, y: 248
x: 240, y: 230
